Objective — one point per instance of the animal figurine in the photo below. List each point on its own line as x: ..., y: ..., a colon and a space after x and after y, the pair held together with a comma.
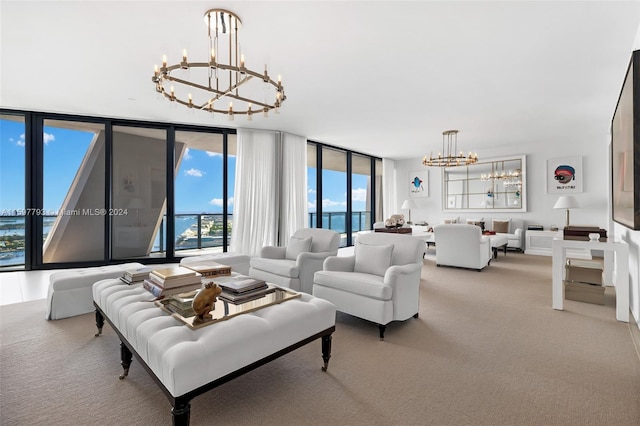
x: 205, y: 301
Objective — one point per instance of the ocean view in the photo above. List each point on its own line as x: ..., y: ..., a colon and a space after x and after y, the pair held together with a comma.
x: 12, y: 235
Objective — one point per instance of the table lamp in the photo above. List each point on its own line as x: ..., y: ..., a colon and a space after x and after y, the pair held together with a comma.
x: 566, y: 202
x: 408, y: 205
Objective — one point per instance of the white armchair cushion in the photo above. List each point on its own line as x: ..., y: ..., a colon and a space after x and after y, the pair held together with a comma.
x: 373, y: 259
x: 283, y: 267
x: 296, y: 246
x: 367, y: 285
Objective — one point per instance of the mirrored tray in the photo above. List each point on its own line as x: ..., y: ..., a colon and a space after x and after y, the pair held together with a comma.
x: 224, y: 310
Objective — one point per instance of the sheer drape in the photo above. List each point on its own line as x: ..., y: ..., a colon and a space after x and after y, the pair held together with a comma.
x: 390, y: 206
x: 270, y: 195
x: 293, y: 204
x: 257, y: 192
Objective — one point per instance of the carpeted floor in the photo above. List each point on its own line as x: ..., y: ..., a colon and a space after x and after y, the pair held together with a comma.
x: 488, y: 349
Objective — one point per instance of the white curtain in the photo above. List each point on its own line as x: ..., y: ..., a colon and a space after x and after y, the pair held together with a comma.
x: 257, y: 192
x: 293, y: 203
x: 389, y: 205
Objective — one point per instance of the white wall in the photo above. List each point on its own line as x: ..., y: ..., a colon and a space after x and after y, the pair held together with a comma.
x: 593, y: 200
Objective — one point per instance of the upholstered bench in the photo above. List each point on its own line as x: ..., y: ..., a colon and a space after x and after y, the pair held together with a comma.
x: 69, y: 291
x: 499, y: 241
x: 187, y: 362
x: 238, y: 262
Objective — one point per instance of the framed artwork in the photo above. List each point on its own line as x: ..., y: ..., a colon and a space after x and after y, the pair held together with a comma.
x: 128, y: 182
x: 625, y: 151
x: 418, y: 184
x: 452, y: 202
x: 564, y: 175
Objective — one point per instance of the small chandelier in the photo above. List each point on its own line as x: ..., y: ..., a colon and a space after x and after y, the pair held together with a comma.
x: 506, y: 175
x: 206, y: 85
x: 448, y: 156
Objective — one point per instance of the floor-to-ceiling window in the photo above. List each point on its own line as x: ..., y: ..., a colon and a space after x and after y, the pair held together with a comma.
x: 12, y: 192
x: 138, y: 190
x: 73, y: 191
x: 200, y: 197
x: 77, y: 191
x: 341, y: 192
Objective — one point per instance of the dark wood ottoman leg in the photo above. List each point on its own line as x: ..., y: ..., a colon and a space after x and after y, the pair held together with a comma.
x: 125, y: 360
x: 99, y: 323
x: 181, y: 414
x: 326, y: 351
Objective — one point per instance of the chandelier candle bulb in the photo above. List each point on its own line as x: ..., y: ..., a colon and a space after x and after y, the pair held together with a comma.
x: 164, y: 62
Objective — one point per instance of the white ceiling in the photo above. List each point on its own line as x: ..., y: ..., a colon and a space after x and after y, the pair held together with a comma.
x: 379, y: 77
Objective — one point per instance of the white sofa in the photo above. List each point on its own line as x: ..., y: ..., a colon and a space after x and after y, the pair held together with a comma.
x: 515, y: 232
x: 462, y: 246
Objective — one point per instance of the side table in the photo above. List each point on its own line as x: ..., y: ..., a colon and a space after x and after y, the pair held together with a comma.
x: 611, y: 248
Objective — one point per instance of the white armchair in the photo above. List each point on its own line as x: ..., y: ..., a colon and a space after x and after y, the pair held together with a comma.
x: 293, y: 266
x: 462, y: 246
x: 379, y: 283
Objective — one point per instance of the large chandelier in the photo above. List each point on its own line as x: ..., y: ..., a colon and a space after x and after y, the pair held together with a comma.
x: 222, y: 77
x: 448, y: 156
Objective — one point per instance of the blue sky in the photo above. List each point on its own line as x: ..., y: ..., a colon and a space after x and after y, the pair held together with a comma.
x: 198, y: 181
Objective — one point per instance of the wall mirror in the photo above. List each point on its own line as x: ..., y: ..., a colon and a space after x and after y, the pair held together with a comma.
x: 497, y: 184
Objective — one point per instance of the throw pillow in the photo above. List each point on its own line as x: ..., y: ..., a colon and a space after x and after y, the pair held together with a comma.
x: 501, y: 226
x: 372, y: 259
x: 450, y: 220
x: 296, y: 246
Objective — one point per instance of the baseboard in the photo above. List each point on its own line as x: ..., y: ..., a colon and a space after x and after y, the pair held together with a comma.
x: 634, y: 330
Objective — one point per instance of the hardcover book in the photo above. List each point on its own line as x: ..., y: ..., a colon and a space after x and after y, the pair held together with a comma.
x: 210, y: 269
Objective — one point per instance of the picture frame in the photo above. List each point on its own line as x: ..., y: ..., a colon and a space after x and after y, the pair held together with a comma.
x: 625, y: 150
x: 565, y: 175
x: 127, y: 183
x: 418, y: 184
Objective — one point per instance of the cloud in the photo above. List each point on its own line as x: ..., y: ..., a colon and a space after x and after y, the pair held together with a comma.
x: 48, y: 137
x: 359, y: 194
x: 194, y: 172
x: 311, y: 191
x: 214, y: 154
x: 311, y: 205
x: 218, y: 202
x: 186, y: 155
x: 330, y: 203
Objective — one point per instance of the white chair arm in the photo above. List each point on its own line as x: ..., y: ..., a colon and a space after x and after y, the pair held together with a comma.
x: 518, y: 232
x: 308, y: 255
x: 392, y: 274
x: 272, y: 252
x: 339, y: 263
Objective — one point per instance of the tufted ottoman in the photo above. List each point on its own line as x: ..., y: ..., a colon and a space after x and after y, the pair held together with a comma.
x: 187, y: 362
x: 499, y: 241
x: 238, y: 262
x: 69, y: 291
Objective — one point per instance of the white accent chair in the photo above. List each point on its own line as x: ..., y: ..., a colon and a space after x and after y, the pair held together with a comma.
x: 293, y: 266
x: 462, y: 246
x: 379, y: 283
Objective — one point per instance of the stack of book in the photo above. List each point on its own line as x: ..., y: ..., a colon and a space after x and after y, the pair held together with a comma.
x: 134, y: 276
x: 210, y: 269
x: 170, y: 281
x: 181, y: 304
x: 241, y: 288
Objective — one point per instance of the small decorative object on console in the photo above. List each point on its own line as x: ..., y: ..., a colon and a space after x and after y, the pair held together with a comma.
x: 395, y: 221
x: 205, y: 301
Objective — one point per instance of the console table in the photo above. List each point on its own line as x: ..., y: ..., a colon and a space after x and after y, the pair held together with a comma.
x: 614, y: 252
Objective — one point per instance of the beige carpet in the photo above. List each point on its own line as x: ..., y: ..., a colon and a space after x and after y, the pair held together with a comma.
x: 486, y: 350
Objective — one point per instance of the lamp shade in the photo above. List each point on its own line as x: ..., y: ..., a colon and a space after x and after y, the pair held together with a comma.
x: 566, y: 202
x: 409, y: 204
